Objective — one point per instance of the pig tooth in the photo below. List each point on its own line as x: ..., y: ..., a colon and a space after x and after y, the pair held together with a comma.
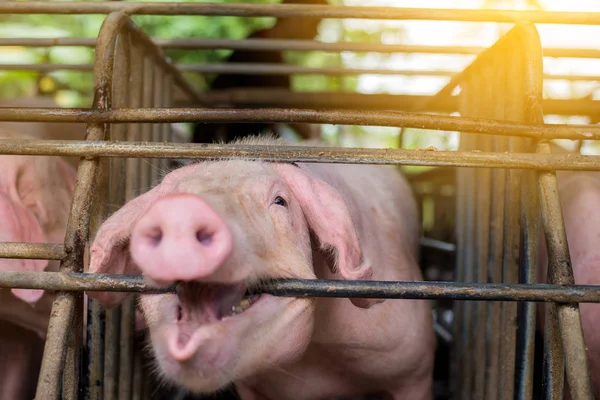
x: 244, y: 304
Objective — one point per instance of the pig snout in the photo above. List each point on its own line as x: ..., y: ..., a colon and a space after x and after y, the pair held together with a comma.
x: 180, y: 238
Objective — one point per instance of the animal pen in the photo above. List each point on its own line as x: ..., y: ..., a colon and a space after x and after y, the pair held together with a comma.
x: 504, y: 158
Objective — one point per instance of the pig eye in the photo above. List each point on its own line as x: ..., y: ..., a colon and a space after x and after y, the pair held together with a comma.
x: 280, y: 201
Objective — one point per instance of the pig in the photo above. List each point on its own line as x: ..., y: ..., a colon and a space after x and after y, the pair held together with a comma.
x: 44, y: 130
x: 221, y: 228
x: 579, y: 194
x: 35, y: 198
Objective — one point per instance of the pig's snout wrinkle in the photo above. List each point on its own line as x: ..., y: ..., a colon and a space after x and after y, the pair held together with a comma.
x: 180, y: 238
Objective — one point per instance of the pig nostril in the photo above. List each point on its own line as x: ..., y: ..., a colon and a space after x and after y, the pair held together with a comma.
x: 179, y: 313
x: 155, y: 237
x: 204, y: 238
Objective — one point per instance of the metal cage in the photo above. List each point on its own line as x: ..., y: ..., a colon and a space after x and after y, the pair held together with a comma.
x: 504, y: 155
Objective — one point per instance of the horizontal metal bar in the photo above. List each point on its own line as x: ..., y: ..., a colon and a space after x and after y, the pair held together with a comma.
x: 72, y: 281
x: 341, y: 117
x: 339, y: 155
x: 277, y: 98
x: 438, y: 245
x: 301, y: 10
x: 276, y: 69
x: 32, y: 251
x: 291, y: 45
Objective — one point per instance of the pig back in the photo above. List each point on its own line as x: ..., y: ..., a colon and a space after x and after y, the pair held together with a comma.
x: 43, y: 130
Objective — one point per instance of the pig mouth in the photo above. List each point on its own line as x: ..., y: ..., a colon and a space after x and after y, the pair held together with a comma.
x: 206, y: 303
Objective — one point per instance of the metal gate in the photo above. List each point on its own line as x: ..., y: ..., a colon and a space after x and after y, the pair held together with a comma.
x: 501, y: 114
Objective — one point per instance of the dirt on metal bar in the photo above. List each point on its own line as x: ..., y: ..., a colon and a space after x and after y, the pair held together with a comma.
x: 342, y: 117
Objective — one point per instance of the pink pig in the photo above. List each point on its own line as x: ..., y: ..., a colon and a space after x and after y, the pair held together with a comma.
x: 221, y: 227
x: 579, y: 194
x: 35, y: 198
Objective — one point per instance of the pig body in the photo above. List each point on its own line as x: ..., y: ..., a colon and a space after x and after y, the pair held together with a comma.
x: 221, y: 227
x: 579, y: 194
x: 43, y: 130
x: 35, y: 198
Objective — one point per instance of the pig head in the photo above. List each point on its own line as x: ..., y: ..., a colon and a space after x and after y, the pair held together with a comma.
x: 220, y: 229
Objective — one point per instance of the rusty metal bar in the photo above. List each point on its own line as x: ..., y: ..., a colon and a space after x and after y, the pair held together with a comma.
x: 343, y: 155
x: 527, y: 311
x: 283, y: 99
x: 341, y: 117
x: 467, y: 211
x: 560, y: 271
x: 32, y: 251
x: 132, y: 187
x: 157, y: 96
x: 115, y: 197
x: 79, y: 281
x: 64, y: 310
x: 292, y: 45
x: 94, y: 389
x: 277, y: 69
x: 297, y: 10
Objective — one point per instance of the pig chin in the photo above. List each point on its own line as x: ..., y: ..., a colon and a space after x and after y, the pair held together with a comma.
x: 210, y: 335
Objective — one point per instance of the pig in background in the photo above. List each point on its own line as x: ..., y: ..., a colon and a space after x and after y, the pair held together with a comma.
x: 35, y: 199
x: 43, y: 130
x: 222, y: 227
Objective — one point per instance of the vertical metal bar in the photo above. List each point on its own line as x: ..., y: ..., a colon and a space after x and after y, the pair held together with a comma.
x: 166, y: 135
x: 527, y: 313
x: 561, y: 272
x: 495, y: 271
x: 146, y: 168
x: 554, y: 366
x: 138, y: 376
x: 526, y: 325
x: 483, y: 185
x: 514, y: 89
x: 95, y: 349
x: 459, y: 276
x: 466, y: 211
x: 115, y: 198
x: 158, y: 87
x: 497, y: 110
x: 132, y: 187
x: 147, y: 101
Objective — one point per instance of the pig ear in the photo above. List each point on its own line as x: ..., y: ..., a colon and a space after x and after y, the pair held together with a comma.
x: 20, y: 225
x: 329, y: 218
x: 67, y: 173
x: 109, y: 253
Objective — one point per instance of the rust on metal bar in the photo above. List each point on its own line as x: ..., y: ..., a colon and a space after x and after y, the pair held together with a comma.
x: 81, y: 281
x: 297, y: 10
x: 277, y: 98
x: 340, y: 155
x: 341, y: 117
x: 63, y: 317
x: 32, y: 251
x: 560, y: 271
x: 292, y: 45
